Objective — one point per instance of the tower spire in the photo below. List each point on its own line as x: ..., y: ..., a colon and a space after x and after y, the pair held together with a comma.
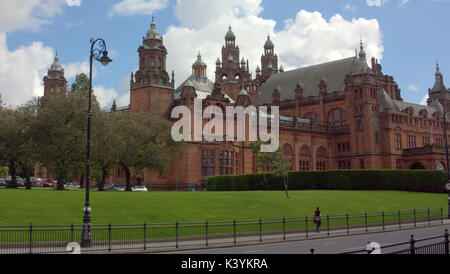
x: 362, y: 53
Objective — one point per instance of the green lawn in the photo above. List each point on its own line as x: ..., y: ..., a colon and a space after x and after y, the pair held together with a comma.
x: 47, y: 206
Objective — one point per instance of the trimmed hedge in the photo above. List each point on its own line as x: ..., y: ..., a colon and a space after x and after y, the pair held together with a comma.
x: 405, y: 180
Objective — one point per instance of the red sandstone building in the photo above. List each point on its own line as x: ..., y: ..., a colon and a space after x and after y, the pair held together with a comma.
x: 342, y: 114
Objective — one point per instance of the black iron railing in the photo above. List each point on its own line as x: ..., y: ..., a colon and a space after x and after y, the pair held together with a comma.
x: 110, y: 237
x: 432, y: 245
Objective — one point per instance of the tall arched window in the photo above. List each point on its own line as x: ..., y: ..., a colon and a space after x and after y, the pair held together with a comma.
x: 337, y: 117
x: 321, y: 158
x: 305, y: 158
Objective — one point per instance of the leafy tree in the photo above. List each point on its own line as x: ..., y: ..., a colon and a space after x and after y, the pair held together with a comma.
x: 27, y: 158
x: 104, y: 145
x: 272, y: 162
x: 144, y: 141
x: 60, y: 133
x: 16, y: 142
x: 81, y: 85
x: 4, y: 171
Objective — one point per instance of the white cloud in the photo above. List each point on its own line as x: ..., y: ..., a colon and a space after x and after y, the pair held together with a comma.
x: 305, y: 40
x: 105, y: 96
x: 376, y: 3
x: 403, y: 2
x: 349, y: 7
x: 413, y: 88
x: 29, y: 14
x: 134, y: 7
x: 197, y: 13
x: 73, y: 3
x: 22, y: 70
x: 72, y: 69
x: 424, y: 100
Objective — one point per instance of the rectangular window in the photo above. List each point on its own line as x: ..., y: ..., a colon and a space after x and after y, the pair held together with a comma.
x: 207, y: 163
x: 304, y: 165
x: 398, y: 141
x: 226, y: 162
x: 411, y: 141
x: 320, y: 165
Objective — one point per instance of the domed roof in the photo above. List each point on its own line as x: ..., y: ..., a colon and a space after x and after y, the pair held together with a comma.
x: 362, y: 53
x: 199, y: 61
x: 153, y: 33
x: 230, y: 34
x: 269, y: 43
x: 56, y: 66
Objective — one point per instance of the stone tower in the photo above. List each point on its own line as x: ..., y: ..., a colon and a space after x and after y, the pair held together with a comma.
x: 439, y: 91
x: 199, y: 69
x: 269, y: 60
x: 231, y: 72
x: 55, y: 82
x: 151, y: 88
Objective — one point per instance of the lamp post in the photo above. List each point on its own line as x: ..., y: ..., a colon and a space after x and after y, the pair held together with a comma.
x: 100, y: 54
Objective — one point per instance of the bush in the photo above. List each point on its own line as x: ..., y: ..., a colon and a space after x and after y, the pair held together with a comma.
x: 405, y: 180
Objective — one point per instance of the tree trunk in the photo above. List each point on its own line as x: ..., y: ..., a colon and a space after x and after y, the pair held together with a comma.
x: 12, y: 170
x: 286, y: 180
x: 101, y: 187
x: 82, y: 181
x: 128, y: 178
x: 27, y: 176
x: 60, y: 184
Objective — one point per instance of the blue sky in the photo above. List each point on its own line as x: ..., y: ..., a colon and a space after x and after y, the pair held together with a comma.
x: 407, y: 36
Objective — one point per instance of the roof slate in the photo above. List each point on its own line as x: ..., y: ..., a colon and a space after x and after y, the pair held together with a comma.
x: 310, y: 76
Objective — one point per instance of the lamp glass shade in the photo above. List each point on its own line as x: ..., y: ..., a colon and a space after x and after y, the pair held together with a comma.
x: 105, y: 60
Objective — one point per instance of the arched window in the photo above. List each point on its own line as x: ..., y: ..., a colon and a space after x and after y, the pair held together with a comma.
x: 321, y: 160
x: 237, y: 77
x: 305, y: 158
x: 151, y: 61
x: 224, y: 77
x: 337, y: 117
x: 159, y: 62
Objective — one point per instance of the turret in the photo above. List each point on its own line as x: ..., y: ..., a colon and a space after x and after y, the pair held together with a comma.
x: 54, y: 81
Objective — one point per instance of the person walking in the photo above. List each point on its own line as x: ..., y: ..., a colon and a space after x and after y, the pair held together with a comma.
x: 317, y: 219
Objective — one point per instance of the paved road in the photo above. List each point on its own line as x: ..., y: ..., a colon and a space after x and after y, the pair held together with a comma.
x: 331, y: 245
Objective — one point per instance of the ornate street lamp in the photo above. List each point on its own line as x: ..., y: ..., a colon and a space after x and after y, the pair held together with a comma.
x: 100, y: 54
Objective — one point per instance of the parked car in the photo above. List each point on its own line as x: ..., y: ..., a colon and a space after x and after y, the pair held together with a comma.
x: 2, y: 182
x: 71, y: 185
x: 139, y: 189
x: 110, y: 187
x: 19, y: 181
x: 48, y: 183
x: 36, y: 182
